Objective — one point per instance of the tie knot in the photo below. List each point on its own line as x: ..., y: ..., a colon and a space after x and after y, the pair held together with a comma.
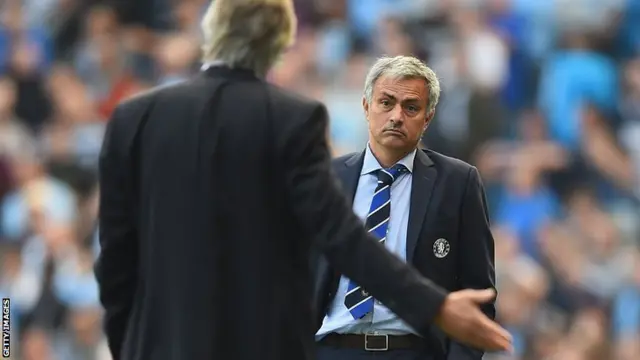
x: 388, y: 176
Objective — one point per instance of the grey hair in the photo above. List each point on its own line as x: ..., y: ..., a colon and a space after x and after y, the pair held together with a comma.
x: 249, y: 34
x: 403, y: 67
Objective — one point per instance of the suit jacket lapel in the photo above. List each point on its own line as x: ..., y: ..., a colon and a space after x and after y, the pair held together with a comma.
x: 349, y: 174
x: 423, y: 180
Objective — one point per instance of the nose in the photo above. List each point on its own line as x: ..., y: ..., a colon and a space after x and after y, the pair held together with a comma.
x: 397, y: 115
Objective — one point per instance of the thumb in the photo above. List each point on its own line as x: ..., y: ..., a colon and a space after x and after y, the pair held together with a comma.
x: 482, y: 296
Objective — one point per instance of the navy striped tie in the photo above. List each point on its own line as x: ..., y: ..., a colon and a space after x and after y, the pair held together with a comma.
x: 358, y: 300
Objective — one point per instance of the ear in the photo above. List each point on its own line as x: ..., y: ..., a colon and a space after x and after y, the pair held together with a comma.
x: 365, y: 107
x: 428, y: 119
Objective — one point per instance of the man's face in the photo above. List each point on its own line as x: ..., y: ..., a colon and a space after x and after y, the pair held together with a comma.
x: 397, y: 114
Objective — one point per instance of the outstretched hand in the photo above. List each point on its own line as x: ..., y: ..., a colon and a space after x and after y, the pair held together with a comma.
x: 460, y: 317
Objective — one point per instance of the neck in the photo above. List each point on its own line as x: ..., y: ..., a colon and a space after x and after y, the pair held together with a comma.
x: 387, y: 157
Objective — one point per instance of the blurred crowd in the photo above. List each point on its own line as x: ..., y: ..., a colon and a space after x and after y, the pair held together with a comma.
x: 543, y: 96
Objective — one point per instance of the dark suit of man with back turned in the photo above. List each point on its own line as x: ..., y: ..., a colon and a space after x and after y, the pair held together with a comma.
x: 426, y: 208
x: 213, y: 192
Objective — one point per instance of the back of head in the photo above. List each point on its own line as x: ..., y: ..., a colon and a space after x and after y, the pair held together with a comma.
x: 249, y: 34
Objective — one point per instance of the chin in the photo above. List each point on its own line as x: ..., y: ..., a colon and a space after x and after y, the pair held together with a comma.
x: 394, y: 142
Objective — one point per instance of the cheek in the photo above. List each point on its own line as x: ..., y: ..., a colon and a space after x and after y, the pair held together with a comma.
x: 376, y: 122
x: 415, y: 127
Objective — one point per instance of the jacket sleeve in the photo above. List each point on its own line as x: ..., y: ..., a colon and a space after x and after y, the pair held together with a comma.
x: 322, y: 210
x: 116, y: 266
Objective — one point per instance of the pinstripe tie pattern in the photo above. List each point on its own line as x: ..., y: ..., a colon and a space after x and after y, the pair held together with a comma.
x: 358, y: 300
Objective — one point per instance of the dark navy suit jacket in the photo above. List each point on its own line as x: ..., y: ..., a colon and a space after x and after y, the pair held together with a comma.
x: 447, y: 202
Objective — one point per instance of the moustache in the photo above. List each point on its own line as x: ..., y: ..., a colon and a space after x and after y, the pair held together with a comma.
x: 392, y: 127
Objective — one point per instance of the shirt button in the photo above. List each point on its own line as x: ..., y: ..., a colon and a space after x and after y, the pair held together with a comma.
x: 364, y: 292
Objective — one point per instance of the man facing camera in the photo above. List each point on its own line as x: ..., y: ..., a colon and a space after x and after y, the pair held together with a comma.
x: 426, y: 208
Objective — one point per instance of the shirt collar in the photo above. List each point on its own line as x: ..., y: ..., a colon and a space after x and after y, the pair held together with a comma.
x: 371, y: 164
x: 210, y: 64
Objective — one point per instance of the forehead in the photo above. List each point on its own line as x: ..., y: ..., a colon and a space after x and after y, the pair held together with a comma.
x: 401, y: 88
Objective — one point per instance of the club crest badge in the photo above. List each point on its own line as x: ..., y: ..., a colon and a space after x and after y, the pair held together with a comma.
x: 441, y: 248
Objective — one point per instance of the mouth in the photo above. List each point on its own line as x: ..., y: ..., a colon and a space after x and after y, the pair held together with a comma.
x: 395, y: 132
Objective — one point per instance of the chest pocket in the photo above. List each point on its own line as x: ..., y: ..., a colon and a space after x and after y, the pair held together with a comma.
x: 436, y: 254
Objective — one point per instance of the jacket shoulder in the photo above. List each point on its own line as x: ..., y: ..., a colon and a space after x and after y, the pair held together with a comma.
x: 281, y: 98
x: 341, y: 160
x: 290, y: 101
x: 145, y: 98
x: 449, y: 164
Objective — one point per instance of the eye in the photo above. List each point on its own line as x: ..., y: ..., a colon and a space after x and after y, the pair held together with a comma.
x: 385, y: 102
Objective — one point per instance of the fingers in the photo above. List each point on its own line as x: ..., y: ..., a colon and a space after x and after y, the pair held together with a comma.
x: 465, y: 319
x: 496, y: 337
x: 481, y: 296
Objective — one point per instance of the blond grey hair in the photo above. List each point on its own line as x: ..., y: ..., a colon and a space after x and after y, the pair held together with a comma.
x: 248, y: 34
x: 403, y: 67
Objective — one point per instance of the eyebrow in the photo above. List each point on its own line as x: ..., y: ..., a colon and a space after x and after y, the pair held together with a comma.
x: 385, y: 94
x: 407, y: 100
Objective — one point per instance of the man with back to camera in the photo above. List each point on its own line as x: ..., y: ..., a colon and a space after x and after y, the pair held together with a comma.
x: 212, y: 193
x: 427, y: 208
